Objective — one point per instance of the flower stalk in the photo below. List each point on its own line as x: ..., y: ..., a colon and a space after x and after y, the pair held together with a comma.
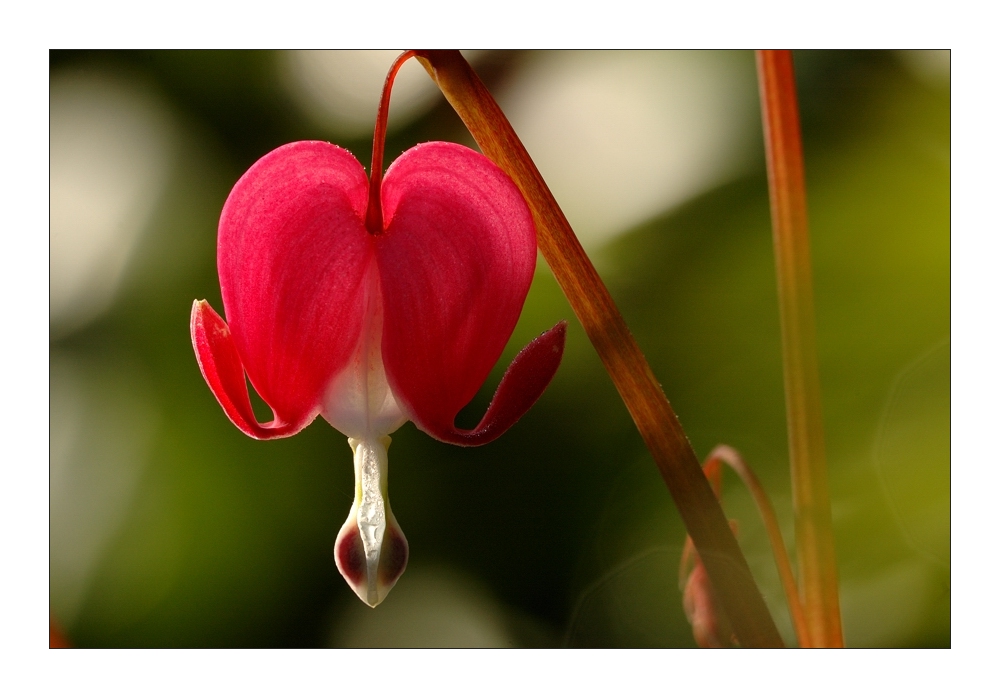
x: 810, y: 491
x: 373, y: 214
x: 624, y: 361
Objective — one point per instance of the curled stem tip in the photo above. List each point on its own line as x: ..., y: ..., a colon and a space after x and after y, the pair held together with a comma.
x: 729, y: 456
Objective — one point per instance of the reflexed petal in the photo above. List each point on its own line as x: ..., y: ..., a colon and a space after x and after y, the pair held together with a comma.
x: 294, y: 257
x: 455, y: 263
x: 223, y: 371
x: 522, y: 384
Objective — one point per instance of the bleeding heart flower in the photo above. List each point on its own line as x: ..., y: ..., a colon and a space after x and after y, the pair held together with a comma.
x: 372, y: 303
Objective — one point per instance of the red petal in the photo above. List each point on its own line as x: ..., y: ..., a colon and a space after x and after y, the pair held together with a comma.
x: 220, y: 365
x: 293, y: 259
x: 455, y: 263
x: 524, y: 382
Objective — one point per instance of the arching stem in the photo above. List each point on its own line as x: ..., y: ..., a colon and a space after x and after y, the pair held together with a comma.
x: 373, y: 217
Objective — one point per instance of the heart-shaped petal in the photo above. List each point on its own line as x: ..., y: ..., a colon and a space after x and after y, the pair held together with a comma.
x: 455, y: 263
x: 294, y: 259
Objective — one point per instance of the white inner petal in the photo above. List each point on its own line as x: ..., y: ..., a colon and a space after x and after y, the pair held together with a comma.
x: 370, y: 460
x: 359, y: 402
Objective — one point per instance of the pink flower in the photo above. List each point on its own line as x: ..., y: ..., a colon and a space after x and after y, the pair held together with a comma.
x: 372, y: 303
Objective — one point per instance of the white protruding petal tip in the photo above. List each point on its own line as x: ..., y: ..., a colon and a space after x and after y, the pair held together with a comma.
x: 371, y: 550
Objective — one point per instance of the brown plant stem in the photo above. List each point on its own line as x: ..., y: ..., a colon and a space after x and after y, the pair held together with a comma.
x: 631, y: 374
x: 810, y: 491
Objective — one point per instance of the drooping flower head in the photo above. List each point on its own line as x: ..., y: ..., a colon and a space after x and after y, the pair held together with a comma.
x: 372, y: 302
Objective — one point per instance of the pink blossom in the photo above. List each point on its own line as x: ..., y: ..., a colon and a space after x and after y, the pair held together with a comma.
x: 372, y: 320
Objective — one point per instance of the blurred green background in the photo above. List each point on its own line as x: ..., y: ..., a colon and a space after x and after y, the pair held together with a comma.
x: 170, y: 528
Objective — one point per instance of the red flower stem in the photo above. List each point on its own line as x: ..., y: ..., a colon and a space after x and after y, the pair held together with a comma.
x: 810, y: 491
x: 631, y: 374
x: 732, y: 458
x: 373, y: 217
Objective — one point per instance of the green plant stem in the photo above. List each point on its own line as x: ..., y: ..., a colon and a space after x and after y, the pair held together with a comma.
x: 660, y: 429
x: 810, y: 491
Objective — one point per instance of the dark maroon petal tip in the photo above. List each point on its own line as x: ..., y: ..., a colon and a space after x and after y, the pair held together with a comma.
x: 524, y: 382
